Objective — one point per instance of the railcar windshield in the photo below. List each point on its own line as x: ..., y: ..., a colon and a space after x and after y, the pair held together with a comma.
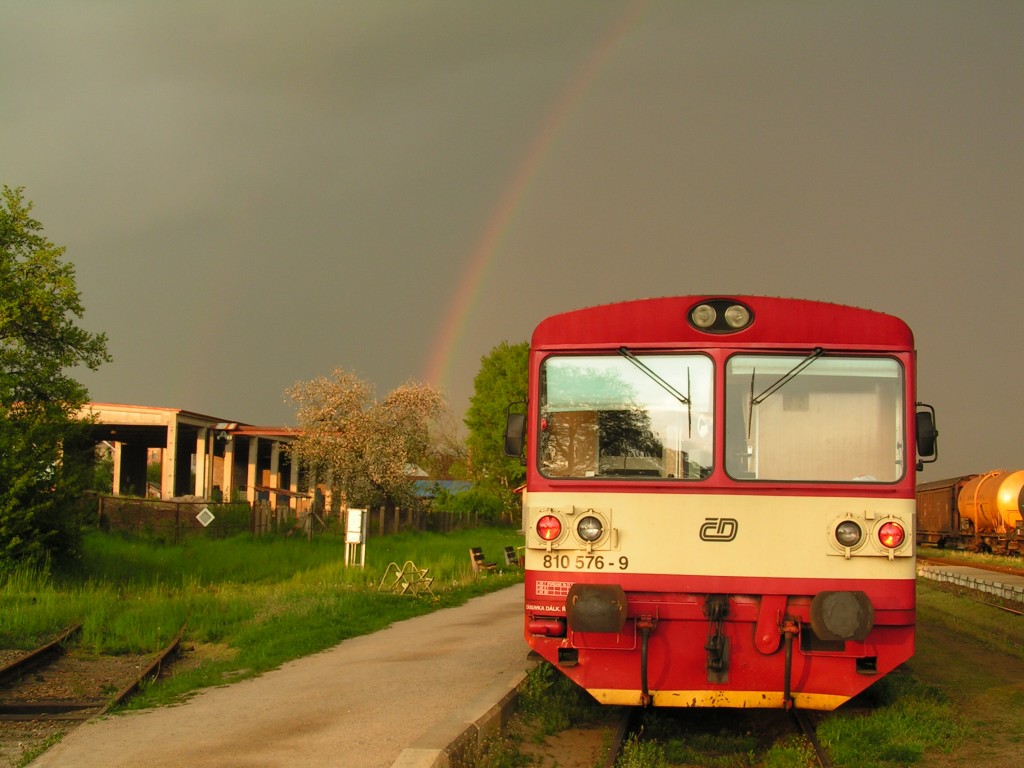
x: 814, y: 418
x: 626, y: 415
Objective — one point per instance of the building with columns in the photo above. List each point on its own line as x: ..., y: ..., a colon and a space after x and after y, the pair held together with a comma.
x: 199, y: 455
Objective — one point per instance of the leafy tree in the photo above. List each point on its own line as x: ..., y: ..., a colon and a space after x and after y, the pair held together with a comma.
x: 446, y: 457
x: 362, y: 446
x: 40, y: 480
x: 501, y: 381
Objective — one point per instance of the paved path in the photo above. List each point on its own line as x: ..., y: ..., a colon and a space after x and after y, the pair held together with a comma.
x: 358, y: 705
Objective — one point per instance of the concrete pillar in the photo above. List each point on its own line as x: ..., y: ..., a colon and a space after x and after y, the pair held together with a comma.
x: 211, y: 450
x: 170, y: 460
x: 293, y: 483
x: 117, y: 469
x: 202, y: 462
x: 228, y: 481
x: 275, y: 471
x: 250, y: 478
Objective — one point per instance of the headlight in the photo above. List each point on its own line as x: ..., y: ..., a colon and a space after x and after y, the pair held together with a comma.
x: 848, y: 534
x: 704, y: 316
x: 737, y: 316
x: 720, y: 316
x: 590, y: 528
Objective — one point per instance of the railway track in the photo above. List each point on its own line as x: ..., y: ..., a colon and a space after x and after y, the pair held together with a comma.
x: 974, y: 595
x: 1006, y: 569
x: 626, y: 726
x: 604, y: 744
x: 807, y: 729
x: 57, y: 682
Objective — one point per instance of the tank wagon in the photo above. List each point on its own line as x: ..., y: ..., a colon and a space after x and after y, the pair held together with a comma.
x: 719, y: 499
x: 981, y: 512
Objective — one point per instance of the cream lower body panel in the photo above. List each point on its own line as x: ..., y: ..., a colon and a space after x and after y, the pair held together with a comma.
x: 762, y: 536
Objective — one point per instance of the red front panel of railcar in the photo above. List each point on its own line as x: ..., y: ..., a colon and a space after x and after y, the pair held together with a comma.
x: 719, y: 509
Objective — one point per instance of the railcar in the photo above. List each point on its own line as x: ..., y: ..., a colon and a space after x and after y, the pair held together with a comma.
x: 983, y: 512
x: 719, y: 499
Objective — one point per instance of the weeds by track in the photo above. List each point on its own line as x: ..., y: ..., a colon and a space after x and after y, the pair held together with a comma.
x: 627, y: 726
x: 807, y: 729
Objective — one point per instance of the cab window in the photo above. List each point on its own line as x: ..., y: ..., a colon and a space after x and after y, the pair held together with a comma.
x: 626, y: 416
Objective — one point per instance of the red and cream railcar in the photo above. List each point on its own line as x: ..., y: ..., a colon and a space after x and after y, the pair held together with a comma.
x: 719, y: 503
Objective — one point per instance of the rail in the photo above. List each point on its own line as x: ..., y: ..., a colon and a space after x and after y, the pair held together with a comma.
x: 804, y: 724
x: 81, y: 707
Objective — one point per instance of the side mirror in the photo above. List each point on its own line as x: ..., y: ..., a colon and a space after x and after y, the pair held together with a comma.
x: 515, y: 433
x: 927, y: 435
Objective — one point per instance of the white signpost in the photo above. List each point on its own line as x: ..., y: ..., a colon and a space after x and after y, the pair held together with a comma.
x: 355, y: 537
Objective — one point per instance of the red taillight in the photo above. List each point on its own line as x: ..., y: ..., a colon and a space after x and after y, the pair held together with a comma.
x: 549, y: 528
x: 891, y: 535
x: 546, y: 627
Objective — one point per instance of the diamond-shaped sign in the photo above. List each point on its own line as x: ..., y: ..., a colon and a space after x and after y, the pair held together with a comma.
x: 205, y: 517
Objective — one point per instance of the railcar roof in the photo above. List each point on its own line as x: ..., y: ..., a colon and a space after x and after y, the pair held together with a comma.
x: 663, y: 321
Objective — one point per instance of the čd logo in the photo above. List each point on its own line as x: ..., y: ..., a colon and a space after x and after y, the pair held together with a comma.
x: 719, y: 529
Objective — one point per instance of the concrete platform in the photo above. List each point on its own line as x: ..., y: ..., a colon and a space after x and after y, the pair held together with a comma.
x: 1001, y: 585
x: 402, y: 698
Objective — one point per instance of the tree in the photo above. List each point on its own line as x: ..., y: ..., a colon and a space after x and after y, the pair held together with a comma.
x: 446, y: 459
x: 39, y: 401
x: 363, y: 447
x: 501, y: 381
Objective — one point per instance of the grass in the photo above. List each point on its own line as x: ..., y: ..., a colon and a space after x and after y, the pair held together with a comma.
x: 248, y: 605
x: 494, y: 752
x: 941, y: 604
x: 552, y: 702
x: 970, y: 558
x: 641, y: 754
x: 912, y: 718
x: 31, y: 754
x: 725, y: 738
x: 893, y: 724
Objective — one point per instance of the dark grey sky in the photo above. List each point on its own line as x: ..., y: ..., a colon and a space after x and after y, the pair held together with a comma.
x: 254, y: 193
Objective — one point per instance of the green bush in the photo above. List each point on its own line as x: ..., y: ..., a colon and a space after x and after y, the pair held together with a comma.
x: 473, y: 505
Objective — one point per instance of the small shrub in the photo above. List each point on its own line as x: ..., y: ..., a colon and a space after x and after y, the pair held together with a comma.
x: 554, y: 702
x: 641, y: 754
x: 794, y: 752
x: 496, y: 752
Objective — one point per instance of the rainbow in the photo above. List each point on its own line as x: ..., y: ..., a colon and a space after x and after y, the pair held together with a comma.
x: 440, y: 362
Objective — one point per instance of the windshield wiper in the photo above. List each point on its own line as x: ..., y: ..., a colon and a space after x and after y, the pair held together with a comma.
x: 778, y: 384
x: 656, y: 378
x: 683, y: 399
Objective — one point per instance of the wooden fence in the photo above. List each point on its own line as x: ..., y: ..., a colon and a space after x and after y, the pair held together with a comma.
x: 171, y: 521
